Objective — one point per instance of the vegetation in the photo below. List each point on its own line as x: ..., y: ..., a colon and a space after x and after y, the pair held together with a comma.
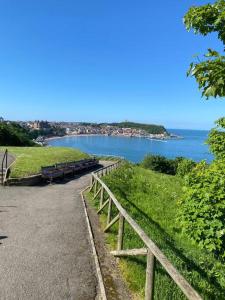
x: 150, y: 128
x: 29, y: 160
x: 13, y: 134
x: 202, y: 208
x: 185, y: 166
x: 161, y: 164
x: 47, y: 132
x: 151, y: 199
x: 216, y: 139
x: 209, y: 72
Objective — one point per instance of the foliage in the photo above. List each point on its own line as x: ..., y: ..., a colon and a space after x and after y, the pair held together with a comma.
x: 185, y: 166
x: 151, y: 199
x: 161, y: 164
x: 13, y: 134
x: 216, y: 139
x: 202, y: 210
x: 209, y: 73
x: 47, y: 132
x: 29, y: 160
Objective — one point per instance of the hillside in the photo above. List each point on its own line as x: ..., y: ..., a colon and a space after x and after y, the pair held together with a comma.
x: 150, y: 128
x: 151, y: 199
x: 13, y: 134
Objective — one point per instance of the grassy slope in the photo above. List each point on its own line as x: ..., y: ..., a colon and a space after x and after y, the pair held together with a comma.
x: 151, y: 198
x: 30, y: 159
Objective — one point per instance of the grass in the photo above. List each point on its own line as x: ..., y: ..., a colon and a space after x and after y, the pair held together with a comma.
x: 29, y: 160
x: 108, y: 158
x: 151, y: 199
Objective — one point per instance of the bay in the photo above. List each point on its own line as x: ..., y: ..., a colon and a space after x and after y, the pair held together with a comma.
x: 192, y: 145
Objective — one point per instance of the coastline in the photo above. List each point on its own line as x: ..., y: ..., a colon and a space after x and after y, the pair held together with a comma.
x: 126, y: 136
x: 72, y: 135
x: 134, y: 149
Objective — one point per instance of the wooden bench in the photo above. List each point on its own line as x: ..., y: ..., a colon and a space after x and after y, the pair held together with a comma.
x: 63, y: 169
x: 51, y: 172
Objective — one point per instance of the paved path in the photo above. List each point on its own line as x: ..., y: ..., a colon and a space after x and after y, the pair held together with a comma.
x: 44, y: 244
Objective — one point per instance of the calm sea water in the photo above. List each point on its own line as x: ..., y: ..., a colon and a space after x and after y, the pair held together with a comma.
x: 134, y: 149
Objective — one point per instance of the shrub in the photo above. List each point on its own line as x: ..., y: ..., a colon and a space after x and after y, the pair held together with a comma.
x: 216, y: 139
x: 202, y: 209
x: 185, y: 166
x: 161, y: 164
x: 13, y: 134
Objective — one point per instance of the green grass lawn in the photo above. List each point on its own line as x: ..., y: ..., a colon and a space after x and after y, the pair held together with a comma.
x: 151, y: 199
x: 29, y: 160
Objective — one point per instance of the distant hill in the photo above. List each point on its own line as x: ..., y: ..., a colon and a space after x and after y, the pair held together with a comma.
x: 150, y: 128
x: 12, y: 134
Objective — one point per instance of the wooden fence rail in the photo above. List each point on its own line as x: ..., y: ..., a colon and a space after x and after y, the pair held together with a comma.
x: 152, y: 251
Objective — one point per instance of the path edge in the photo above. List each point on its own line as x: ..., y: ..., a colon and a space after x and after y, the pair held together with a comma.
x: 102, y: 295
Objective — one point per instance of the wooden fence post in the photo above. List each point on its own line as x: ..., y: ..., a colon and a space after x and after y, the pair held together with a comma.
x: 109, y: 211
x: 149, y: 284
x: 120, y: 233
x: 91, y: 185
x: 101, y: 197
x: 96, y: 184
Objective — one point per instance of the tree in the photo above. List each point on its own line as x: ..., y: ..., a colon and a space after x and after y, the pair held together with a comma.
x: 13, y: 134
x: 216, y: 139
x: 210, y: 72
x: 202, y: 209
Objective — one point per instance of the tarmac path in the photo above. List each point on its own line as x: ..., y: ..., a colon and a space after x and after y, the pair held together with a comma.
x: 45, y: 251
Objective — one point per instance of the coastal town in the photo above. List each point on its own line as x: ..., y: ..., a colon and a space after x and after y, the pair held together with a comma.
x: 78, y: 128
x: 42, y: 130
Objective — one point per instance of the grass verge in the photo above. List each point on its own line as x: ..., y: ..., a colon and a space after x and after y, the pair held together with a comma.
x: 29, y: 160
x: 151, y: 199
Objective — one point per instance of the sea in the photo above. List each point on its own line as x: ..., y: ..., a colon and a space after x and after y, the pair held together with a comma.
x: 192, y: 145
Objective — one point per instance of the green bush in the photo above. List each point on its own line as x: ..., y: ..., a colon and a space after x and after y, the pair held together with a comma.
x: 13, y: 134
x: 216, y: 139
x: 202, y: 209
x: 161, y: 164
x: 185, y: 166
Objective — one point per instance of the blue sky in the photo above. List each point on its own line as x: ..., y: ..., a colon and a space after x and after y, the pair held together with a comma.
x: 102, y: 61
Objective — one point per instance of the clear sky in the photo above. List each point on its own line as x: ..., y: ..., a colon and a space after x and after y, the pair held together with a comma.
x: 100, y: 60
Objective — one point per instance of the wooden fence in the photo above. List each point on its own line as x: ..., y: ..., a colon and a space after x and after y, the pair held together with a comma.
x: 151, y: 250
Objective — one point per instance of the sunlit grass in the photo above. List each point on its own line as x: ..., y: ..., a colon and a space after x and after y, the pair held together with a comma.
x: 151, y: 199
x: 29, y: 160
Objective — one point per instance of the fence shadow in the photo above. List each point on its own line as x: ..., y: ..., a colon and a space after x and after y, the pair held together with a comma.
x: 170, y: 242
x: 2, y: 237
